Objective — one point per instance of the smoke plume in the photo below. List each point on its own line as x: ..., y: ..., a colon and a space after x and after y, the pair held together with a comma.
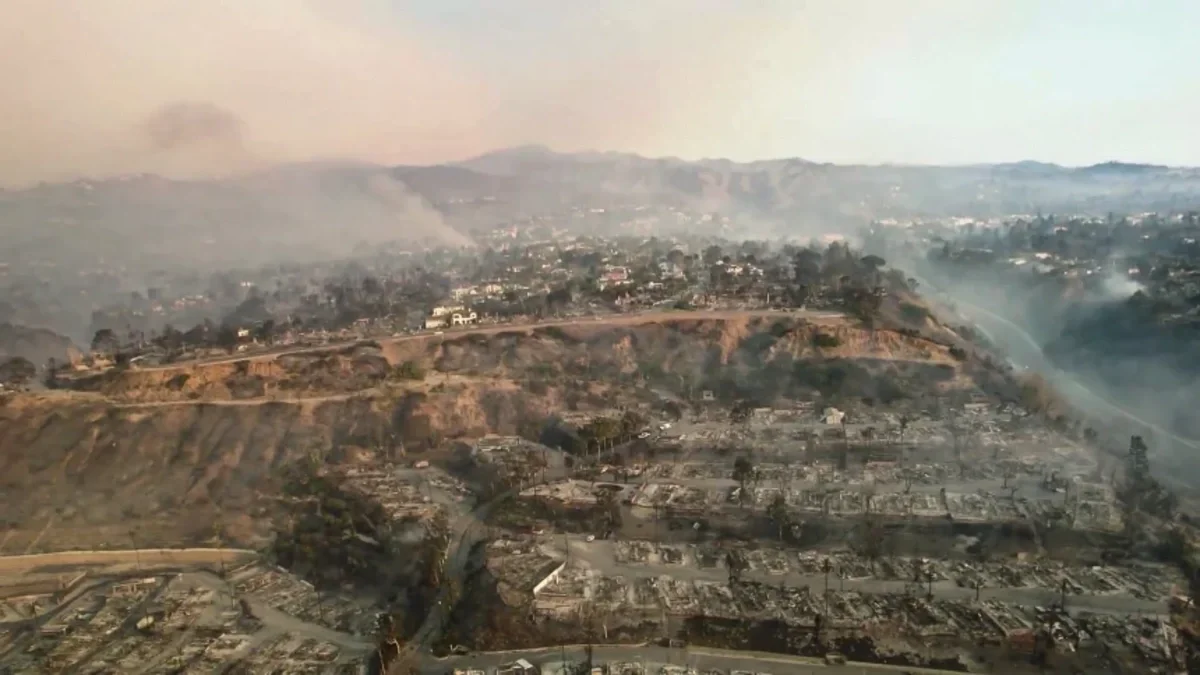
x: 197, y: 89
x: 188, y: 123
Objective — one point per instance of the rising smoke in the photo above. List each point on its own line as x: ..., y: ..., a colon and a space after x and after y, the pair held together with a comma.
x: 409, y: 82
x: 1120, y: 286
x: 189, y: 123
x: 200, y: 89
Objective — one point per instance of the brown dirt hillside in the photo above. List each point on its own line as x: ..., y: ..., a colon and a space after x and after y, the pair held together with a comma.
x: 678, y: 345
x: 86, y: 466
x: 161, y: 452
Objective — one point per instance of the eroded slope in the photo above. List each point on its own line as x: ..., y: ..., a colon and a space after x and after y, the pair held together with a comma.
x: 163, y: 453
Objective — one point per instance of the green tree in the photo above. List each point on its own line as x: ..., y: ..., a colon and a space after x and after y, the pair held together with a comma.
x: 609, y: 509
x: 265, y: 332
x: 631, y: 423
x: 170, y: 340
x: 806, y: 267
x: 777, y: 511
x: 17, y: 371
x: 712, y: 255
x: 871, y: 264
x: 604, y: 431
x: 409, y: 370
x: 227, y: 338
x: 743, y: 470
x: 105, y: 341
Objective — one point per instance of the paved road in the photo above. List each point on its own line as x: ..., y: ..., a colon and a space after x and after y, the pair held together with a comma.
x: 145, y: 558
x: 1029, y: 487
x: 653, y: 658
x: 466, y: 531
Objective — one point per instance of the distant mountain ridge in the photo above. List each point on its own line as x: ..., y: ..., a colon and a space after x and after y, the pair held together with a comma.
x: 488, y: 162
x: 801, y: 191
x: 326, y: 208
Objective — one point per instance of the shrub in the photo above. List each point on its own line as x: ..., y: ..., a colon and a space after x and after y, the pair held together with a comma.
x: 554, y: 333
x: 409, y: 370
x: 913, y: 313
x: 177, y: 382
x: 825, y: 341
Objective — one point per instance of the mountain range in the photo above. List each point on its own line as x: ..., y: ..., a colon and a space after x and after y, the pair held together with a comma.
x: 323, y: 209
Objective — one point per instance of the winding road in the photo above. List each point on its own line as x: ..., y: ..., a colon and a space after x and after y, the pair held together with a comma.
x: 115, y: 561
x: 466, y: 531
x: 651, y: 658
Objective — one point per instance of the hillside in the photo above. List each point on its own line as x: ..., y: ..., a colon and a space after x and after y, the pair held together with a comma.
x: 38, y: 345
x: 137, y: 451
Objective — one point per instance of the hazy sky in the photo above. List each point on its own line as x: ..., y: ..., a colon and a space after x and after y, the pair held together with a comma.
x: 190, y: 87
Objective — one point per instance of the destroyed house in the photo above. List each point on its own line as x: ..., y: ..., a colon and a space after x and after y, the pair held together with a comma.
x: 518, y: 667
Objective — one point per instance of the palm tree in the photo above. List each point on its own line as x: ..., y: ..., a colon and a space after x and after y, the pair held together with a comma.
x: 137, y: 553
x: 742, y: 471
x: 219, y: 536
x: 777, y: 511
x: 827, y: 567
x: 918, y: 573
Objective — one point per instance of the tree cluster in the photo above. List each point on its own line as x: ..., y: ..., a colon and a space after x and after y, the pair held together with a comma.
x: 333, y: 535
x: 16, y: 372
x: 1141, y: 492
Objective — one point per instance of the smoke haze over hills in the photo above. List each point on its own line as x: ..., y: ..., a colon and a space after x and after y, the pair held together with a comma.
x: 216, y: 135
x: 189, y: 89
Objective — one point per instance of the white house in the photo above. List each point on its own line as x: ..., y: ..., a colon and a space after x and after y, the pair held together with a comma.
x: 832, y: 416
x: 463, y: 318
x: 446, y: 310
x: 669, y: 270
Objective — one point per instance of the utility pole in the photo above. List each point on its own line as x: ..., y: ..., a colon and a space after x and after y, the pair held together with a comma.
x: 219, y: 531
x: 137, y: 554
